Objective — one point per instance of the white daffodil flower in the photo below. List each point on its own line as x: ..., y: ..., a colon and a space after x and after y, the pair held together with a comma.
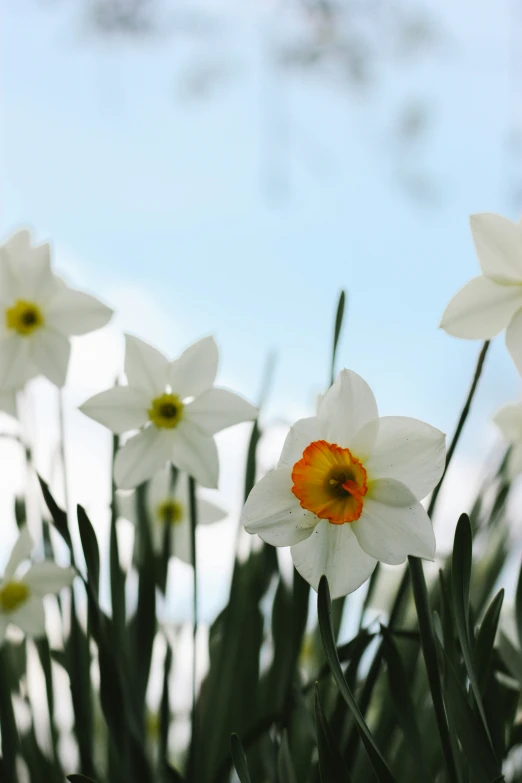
x: 167, y: 506
x: 347, y: 489
x: 492, y: 301
x: 178, y: 408
x: 38, y: 315
x: 21, y: 593
x: 509, y: 421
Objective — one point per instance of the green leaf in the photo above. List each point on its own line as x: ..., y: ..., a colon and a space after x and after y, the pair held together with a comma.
x: 8, y: 728
x: 337, y: 333
x: 518, y: 607
x: 486, y: 640
x: 77, y: 778
x: 239, y: 759
x: 58, y: 515
x: 511, y: 656
x: 165, y: 706
x: 285, y: 766
x: 380, y: 767
x: 90, y: 549
x: 331, y: 763
x: 404, y: 707
x: 470, y: 730
x: 460, y: 581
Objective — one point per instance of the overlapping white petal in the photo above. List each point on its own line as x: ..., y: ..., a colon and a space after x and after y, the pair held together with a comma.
x: 514, y: 465
x: 72, y: 312
x: 142, y: 456
x: 216, y: 409
x: 196, y: 369
x: 301, y: 434
x: 274, y: 513
x: 22, y: 549
x: 348, y: 414
x: 46, y: 578
x: 498, y: 242
x: 333, y: 550
x: 145, y: 367
x: 509, y: 421
x: 394, y: 524
x: 121, y: 409
x: 196, y: 454
x: 481, y: 309
x: 409, y: 451
x: 514, y: 339
x: 50, y: 353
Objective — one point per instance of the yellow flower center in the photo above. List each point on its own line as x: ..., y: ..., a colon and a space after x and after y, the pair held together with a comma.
x: 13, y: 595
x: 170, y: 512
x: 24, y: 317
x: 330, y: 482
x: 166, y: 411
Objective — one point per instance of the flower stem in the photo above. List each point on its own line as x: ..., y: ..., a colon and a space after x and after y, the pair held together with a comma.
x: 8, y: 729
x: 460, y: 426
x: 61, y: 424
x: 193, y: 526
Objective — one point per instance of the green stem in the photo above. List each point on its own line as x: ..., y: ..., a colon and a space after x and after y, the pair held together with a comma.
x: 427, y: 636
x: 8, y: 729
x: 193, y: 526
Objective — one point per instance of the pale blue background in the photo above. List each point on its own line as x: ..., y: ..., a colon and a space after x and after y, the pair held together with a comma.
x: 142, y: 188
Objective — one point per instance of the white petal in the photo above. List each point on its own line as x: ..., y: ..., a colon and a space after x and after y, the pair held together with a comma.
x: 347, y: 409
x: 50, y: 352
x: 145, y: 367
x: 196, y: 454
x: 21, y: 551
x: 409, y: 451
x: 514, y: 466
x: 30, y: 617
x: 393, y: 524
x: 195, y: 370
x: 481, y: 309
x: 141, y: 457
x: 209, y: 512
x: 303, y: 432
x: 121, y: 409
x: 509, y: 421
x: 72, y: 312
x: 47, y: 577
x: 126, y: 504
x: 159, y: 488
x: 217, y: 409
x: 514, y: 339
x: 273, y: 512
x: 32, y: 275
x: 16, y: 365
x: 8, y: 403
x: 333, y: 550
x: 181, y: 541
x: 498, y: 242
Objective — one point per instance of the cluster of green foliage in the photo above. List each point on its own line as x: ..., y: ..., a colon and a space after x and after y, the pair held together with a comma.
x: 430, y: 690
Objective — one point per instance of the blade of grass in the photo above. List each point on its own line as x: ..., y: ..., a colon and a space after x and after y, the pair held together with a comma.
x: 239, y: 759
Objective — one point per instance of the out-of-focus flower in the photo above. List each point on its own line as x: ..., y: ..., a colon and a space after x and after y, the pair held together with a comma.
x: 178, y: 408
x: 21, y: 593
x: 509, y: 421
x: 492, y: 301
x: 168, y: 505
x: 38, y: 315
x: 347, y: 487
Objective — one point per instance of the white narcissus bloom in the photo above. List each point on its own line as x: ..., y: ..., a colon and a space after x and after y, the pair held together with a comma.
x: 38, y: 315
x: 21, y: 593
x: 347, y: 489
x: 178, y: 408
x: 492, y: 301
x: 509, y: 421
x: 166, y: 506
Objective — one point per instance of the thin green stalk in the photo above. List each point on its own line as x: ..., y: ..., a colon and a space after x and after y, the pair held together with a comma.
x: 427, y: 635
x: 8, y: 729
x: 193, y: 526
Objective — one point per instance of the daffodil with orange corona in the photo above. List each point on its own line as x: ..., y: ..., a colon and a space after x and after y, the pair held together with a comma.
x: 347, y: 489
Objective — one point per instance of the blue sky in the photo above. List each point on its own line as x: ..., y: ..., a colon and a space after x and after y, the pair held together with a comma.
x: 140, y: 188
